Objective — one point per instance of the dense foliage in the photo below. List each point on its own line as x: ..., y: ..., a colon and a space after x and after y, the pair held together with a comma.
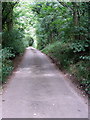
x: 6, y: 62
x: 13, y: 38
x: 64, y: 57
x: 62, y: 31
x: 59, y: 29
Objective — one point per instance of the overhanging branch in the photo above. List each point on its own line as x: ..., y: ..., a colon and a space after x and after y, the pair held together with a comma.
x: 65, y: 5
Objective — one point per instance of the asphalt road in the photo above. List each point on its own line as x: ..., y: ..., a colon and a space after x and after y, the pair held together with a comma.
x: 37, y: 89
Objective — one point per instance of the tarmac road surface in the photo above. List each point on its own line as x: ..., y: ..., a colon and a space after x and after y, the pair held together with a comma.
x: 39, y: 90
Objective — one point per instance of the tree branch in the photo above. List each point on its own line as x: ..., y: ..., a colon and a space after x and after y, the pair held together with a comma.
x: 65, y: 5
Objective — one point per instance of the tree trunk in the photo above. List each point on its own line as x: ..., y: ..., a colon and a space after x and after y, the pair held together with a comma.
x: 0, y: 17
x: 75, y: 18
x: 75, y: 14
x: 10, y: 21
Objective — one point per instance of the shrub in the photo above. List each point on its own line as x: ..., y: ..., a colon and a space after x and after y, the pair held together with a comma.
x: 6, y: 65
x: 81, y: 71
x: 61, y: 51
x: 13, y: 44
x: 15, y: 40
x: 64, y: 55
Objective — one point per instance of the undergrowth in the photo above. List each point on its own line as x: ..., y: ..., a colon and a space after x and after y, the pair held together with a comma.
x: 13, y: 44
x: 63, y: 54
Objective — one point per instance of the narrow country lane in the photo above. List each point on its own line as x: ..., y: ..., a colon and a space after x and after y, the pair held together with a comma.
x: 38, y: 90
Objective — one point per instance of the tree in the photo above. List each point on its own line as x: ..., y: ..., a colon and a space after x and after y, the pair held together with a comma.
x: 7, y: 15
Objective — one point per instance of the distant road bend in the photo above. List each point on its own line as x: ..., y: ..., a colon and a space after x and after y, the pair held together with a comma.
x: 39, y: 90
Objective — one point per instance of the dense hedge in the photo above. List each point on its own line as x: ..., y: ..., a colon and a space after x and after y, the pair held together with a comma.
x: 13, y: 43
x: 14, y: 40
x: 62, y: 32
x: 62, y: 53
x: 7, y: 65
